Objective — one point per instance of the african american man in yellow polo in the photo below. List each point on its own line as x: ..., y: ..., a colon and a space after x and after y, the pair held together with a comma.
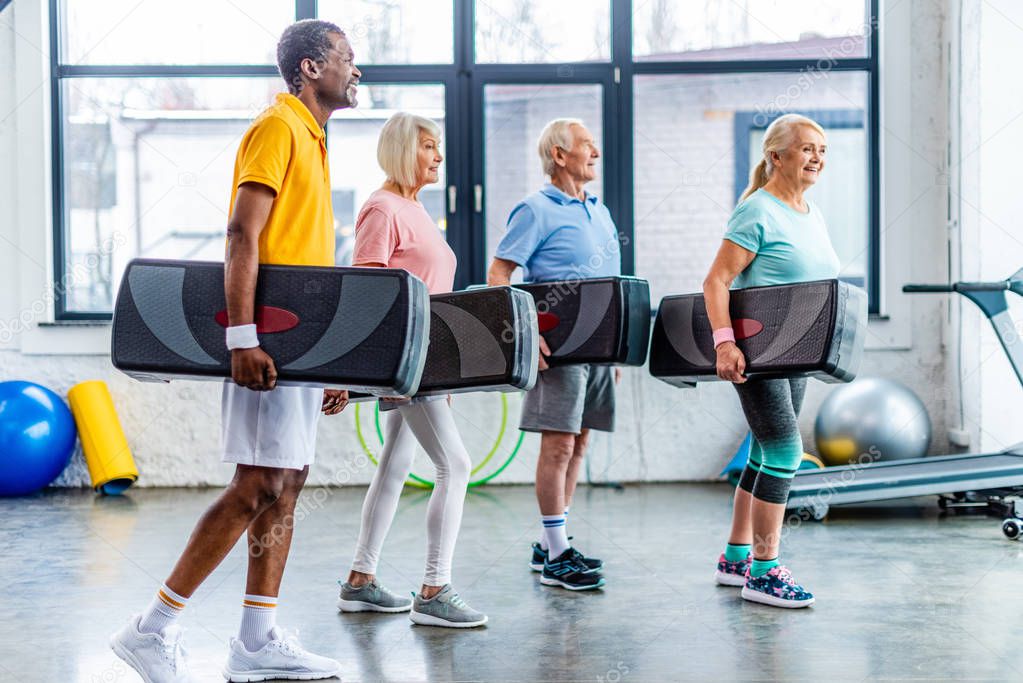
x: 280, y: 213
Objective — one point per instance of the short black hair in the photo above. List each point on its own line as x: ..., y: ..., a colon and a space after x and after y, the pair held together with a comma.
x: 303, y: 39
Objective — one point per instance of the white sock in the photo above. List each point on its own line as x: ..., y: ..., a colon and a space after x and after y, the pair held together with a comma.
x: 259, y: 616
x: 566, y: 527
x: 543, y: 536
x: 163, y: 611
x: 554, y: 534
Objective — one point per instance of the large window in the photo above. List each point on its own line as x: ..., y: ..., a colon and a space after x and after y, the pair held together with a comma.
x: 513, y: 116
x: 352, y: 143
x: 180, y: 32
x: 150, y: 120
x: 696, y: 139
x: 542, y: 31
x: 147, y: 172
x: 394, y: 31
x: 749, y: 29
x: 151, y: 99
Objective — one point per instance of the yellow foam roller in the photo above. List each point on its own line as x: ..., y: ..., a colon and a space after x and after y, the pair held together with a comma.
x: 111, y: 466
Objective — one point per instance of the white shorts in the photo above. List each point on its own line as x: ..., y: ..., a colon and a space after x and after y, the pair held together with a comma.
x: 270, y: 428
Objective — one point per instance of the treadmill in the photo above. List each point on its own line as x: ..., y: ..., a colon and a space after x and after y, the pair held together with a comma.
x: 990, y: 482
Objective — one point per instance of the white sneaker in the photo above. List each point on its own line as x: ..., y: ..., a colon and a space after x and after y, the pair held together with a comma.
x: 283, y: 657
x: 158, y: 657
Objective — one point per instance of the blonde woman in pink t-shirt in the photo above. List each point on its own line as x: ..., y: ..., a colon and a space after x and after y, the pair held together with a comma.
x: 395, y: 231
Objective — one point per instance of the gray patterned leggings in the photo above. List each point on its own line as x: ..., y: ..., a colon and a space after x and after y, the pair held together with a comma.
x: 771, y: 407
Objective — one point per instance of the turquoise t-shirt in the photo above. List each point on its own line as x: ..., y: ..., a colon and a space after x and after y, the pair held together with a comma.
x: 790, y: 246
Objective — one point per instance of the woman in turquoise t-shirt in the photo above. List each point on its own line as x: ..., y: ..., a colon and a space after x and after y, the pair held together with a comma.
x: 774, y: 237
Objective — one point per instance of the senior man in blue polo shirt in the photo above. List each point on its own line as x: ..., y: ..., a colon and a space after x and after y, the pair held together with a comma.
x: 563, y: 233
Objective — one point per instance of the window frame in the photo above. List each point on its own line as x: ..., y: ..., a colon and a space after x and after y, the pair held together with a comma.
x: 870, y: 65
x: 463, y: 79
x: 747, y: 121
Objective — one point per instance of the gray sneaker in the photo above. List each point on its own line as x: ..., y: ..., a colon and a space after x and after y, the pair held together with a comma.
x: 371, y: 597
x: 445, y: 609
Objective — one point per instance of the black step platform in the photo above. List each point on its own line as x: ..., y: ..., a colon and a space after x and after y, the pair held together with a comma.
x: 813, y: 329
x: 481, y: 340
x: 598, y: 320
x: 365, y: 329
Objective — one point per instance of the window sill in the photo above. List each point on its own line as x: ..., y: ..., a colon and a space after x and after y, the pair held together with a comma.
x: 887, y: 334
x: 67, y: 338
x: 76, y: 323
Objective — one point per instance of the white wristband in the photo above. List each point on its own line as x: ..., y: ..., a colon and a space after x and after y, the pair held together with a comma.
x: 242, y: 337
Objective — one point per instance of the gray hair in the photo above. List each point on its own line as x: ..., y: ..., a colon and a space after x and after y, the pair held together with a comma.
x: 306, y: 39
x: 557, y: 133
x: 398, y: 146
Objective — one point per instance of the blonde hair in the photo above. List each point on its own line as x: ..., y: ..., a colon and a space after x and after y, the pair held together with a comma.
x: 557, y: 133
x: 779, y: 136
x: 398, y: 146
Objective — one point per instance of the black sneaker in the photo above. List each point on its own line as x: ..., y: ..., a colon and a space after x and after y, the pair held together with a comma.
x: 566, y: 571
x: 539, y: 557
x: 592, y: 564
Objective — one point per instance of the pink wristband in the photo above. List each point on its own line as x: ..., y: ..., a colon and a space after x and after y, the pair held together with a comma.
x: 722, y: 335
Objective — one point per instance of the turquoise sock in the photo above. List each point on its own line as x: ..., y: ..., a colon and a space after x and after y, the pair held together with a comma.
x: 761, y: 567
x: 736, y: 553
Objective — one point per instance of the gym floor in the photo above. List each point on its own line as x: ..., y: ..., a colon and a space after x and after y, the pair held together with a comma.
x: 902, y: 593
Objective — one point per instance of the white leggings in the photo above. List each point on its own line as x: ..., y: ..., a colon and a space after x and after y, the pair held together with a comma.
x: 432, y: 424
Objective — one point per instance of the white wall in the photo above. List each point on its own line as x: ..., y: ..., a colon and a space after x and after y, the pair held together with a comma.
x: 990, y: 242
x: 663, y: 434
x: 8, y: 186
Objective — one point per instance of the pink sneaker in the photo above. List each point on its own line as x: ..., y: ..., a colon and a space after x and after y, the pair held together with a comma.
x: 777, y: 588
x: 732, y: 573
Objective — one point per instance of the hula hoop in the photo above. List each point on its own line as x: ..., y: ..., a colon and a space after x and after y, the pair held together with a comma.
x: 814, y: 460
x: 420, y: 482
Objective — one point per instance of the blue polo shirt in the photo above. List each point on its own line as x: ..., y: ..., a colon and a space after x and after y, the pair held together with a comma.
x: 555, y: 237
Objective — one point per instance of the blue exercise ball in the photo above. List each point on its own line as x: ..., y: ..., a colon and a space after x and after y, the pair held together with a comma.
x: 37, y: 437
x: 869, y: 420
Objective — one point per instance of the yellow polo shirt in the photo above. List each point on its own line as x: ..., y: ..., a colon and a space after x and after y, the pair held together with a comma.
x: 286, y: 150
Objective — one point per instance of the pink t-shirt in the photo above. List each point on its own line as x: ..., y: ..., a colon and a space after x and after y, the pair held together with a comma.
x: 399, y: 233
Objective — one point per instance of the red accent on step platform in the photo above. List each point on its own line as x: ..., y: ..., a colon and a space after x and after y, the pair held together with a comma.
x: 547, y: 321
x: 269, y: 319
x: 746, y: 328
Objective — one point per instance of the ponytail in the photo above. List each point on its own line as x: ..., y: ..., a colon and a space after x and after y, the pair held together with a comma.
x: 757, y: 179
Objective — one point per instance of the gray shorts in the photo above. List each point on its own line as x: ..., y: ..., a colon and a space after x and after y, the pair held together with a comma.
x: 570, y: 398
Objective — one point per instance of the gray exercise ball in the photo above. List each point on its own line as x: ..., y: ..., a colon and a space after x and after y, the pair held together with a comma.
x: 869, y: 420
